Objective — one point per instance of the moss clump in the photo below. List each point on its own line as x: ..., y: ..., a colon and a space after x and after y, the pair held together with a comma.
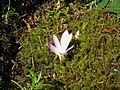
x: 92, y: 62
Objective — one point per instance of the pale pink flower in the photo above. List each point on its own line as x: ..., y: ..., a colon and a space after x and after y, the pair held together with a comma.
x: 61, y: 46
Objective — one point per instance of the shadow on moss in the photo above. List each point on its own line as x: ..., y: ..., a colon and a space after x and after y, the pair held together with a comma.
x: 8, y: 51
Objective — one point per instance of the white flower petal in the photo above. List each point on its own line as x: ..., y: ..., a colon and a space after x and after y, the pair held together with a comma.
x: 69, y: 48
x: 57, y: 43
x: 52, y: 48
x: 65, y: 40
x: 77, y: 34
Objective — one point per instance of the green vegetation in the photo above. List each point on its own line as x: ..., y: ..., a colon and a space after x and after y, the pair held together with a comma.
x: 113, y: 6
x: 91, y: 65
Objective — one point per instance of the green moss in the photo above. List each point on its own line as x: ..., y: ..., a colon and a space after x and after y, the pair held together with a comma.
x: 91, y: 64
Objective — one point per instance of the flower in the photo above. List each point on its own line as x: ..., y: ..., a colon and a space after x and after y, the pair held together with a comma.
x: 77, y: 34
x: 61, y: 46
